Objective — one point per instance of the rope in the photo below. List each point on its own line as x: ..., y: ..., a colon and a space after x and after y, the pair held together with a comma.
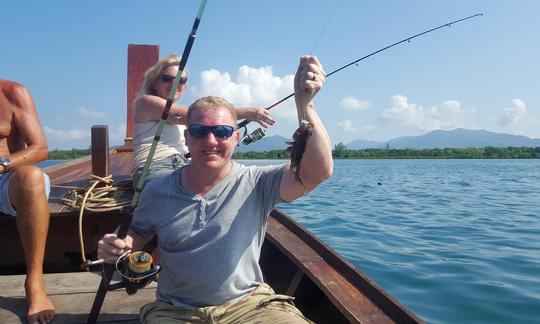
x: 107, y: 197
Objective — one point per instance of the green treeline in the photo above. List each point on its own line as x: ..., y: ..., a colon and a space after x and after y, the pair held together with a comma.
x: 67, y: 154
x: 265, y: 155
x: 340, y: 151
x: 438, y: 153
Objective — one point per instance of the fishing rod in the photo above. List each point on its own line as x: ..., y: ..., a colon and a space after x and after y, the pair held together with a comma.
x: 254, y: 135
x: 138, y: 263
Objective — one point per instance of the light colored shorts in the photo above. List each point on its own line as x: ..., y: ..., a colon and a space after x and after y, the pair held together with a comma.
x: 262, y: 305
x: 160, y: 168
x: 5, y: 204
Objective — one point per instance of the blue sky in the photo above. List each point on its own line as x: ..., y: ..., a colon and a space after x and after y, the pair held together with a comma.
x: 483, y: 73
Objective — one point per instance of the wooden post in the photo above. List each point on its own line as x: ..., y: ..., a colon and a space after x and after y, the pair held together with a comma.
x: 140, y: 59
x: 100, y: 150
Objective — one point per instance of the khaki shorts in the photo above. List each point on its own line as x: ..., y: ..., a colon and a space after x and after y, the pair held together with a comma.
x: 262, y: 305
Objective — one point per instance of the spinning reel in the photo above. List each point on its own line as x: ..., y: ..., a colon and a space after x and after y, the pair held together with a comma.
x: 254, y: 136
x: 137, y: 271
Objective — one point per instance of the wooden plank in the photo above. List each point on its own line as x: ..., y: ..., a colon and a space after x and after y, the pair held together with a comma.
x: 298, y: 243
x: 354, y: 301
x: 72, y: 295
x: 345, y: 296
x: 140, y: 59
x: 77, y: 173
x: 294, y: 283
x: 100, y: 150
x: 351, y: 302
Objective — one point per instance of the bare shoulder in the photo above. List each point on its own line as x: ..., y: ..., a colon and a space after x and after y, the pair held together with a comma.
x: 148, y: 99
x: 16, y: 95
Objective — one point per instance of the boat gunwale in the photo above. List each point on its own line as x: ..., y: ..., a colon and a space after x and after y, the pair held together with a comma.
x: 384, y: 301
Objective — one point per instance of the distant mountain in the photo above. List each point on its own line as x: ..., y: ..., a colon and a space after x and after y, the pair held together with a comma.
x: 267, y: 143
x: 457, y: 138
x: 363, y: 144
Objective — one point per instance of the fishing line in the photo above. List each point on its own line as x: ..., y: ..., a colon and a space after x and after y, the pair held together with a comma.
x: 408, y: 39
x: 324, y: 27
x: 261, y: 132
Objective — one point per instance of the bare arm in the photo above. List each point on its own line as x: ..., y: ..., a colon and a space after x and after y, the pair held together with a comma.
x: 256, y: 114
x: 317, y: 163
x: 29, y: 128
x: 150, y: 107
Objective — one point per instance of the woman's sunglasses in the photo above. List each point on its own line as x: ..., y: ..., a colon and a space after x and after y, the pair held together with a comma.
x: 219, y: 131
x: 165, y: 78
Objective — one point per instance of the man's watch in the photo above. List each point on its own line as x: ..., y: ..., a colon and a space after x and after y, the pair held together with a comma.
x: 4, y: 160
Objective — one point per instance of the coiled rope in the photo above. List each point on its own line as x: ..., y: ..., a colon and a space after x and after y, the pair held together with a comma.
x: 94, y: 198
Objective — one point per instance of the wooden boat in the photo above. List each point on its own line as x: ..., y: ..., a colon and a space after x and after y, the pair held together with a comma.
x: 326, y: 287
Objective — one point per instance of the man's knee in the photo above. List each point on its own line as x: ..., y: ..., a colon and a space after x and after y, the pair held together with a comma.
x: 28, y: 181
x: 277, y: 310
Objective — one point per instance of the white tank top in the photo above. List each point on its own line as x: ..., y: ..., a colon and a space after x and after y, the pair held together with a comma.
x: 172, y: 141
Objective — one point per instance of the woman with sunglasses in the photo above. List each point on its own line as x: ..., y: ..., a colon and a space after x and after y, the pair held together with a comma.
x: 149, y: 105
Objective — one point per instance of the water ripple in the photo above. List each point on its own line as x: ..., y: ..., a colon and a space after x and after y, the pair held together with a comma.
x: 454, y: 240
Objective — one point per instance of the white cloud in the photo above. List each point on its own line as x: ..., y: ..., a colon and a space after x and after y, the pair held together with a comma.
x: 353, y: 103
x: 251, y: 87
x: 410, y: 115
x: 81, y: 137
x: 118, y: 133
x: 67, y: 135
x: 513, y: 114
x: 95, y: 114
x: 347, y: 126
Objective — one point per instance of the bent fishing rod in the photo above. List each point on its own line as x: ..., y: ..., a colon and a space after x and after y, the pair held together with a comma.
x: 108, y: 269
x: 408, y: 39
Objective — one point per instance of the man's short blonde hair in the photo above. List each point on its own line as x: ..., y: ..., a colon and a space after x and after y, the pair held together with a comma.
x: 214, y: 103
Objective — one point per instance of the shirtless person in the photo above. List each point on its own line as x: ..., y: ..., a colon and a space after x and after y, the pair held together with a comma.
x: 24, y: 188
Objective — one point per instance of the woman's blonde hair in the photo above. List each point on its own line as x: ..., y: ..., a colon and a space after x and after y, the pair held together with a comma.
x: 151, y: 76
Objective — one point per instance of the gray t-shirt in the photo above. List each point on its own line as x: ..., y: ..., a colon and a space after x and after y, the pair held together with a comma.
x: 210, y: 245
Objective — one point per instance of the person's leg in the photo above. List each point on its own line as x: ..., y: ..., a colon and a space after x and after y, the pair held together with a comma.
x: 162, y: 313
x: 28, y: 196
x: 157, y: 169
x: 261, y: 306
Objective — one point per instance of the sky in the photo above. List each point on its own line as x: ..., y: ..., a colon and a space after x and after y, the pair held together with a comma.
x: 483, y: 73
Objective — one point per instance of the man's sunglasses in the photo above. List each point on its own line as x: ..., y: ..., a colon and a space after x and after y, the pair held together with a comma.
x: 165, y: 78
x: 219, y: 131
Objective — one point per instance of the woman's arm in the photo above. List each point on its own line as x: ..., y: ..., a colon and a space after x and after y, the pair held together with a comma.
x: 256, y: 114
x: 150, y: 107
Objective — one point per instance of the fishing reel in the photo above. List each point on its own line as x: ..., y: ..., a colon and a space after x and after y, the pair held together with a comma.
x: 254, y: 136
x: 136, y: 269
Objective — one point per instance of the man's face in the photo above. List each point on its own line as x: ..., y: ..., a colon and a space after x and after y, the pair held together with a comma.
x: 210, y: 150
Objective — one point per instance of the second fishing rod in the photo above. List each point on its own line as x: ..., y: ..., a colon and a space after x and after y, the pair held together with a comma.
x: 259, y: 133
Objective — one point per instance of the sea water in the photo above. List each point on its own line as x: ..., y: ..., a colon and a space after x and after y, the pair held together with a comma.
x: 47, y: 163
x: 455, y: 241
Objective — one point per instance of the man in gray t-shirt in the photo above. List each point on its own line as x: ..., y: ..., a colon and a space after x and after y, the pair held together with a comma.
x: 210, y: 216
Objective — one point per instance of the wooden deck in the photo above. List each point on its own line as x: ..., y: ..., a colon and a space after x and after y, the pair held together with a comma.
x: 77, y: 173
x: 72, y: 295
x: 63, y: 250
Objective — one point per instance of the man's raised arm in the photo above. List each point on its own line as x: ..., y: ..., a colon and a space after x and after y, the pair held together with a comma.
x: 317, y: 164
